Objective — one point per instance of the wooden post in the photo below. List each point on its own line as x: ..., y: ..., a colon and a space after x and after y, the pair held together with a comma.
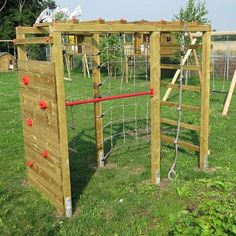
x: 98, y: 105
x: 155, y: 74
x: 57, y: 58
x: 205, y: 97
x: 230, y: 95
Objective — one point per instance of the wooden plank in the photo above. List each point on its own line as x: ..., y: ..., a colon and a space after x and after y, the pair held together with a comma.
x: 32, y: 30
x: 155, y: 75
x: 182, y: 124
x: 230, y: 95
x: 97, y: 106
x: 36, y: 67
x: 57, y: 58
x: 39, y: 92
x: 129, y: 27
x: 37, y: 40
x: 177, y: 67
x: 39, y: 143
x: 184, y: 107
x: 44, y: 165
x: 177, y: 73
x: 180, y: 143
x: 43, y: 81
x: 40, y: 184
x: 205, y: 98
x: 185, y: 87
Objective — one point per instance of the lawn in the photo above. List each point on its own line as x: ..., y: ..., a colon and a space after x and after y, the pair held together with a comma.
x: 118, y: 199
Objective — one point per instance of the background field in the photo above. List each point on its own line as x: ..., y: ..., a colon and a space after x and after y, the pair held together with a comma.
x: 118, y: 199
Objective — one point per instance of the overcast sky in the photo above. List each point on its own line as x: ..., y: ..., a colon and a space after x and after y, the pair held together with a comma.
x: 222, y: 13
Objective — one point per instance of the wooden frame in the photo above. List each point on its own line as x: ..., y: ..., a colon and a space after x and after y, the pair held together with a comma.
x: 57, y: 108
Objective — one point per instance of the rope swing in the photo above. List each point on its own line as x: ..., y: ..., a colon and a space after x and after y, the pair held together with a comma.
x: 172, y: 171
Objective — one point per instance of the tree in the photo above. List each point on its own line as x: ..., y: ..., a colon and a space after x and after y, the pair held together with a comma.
x: 19, y: 12
x: 194, y: 11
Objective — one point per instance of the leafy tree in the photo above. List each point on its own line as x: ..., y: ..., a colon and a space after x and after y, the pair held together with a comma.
x: 194, y: 11
x: 19, y: 12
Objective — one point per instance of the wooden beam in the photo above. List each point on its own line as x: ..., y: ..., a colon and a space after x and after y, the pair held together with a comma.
x: 97, y: 106
x: 182, y: 125
x: 184, y: 107
x: 230, y: 95
x: 57, y: 58
x: 37, y: 40
x: 180, y: 143
x: 155, y: 75
x: 185, y: 87
x: 32, y: 30
x: 177, y: 67
x: 205, y: 98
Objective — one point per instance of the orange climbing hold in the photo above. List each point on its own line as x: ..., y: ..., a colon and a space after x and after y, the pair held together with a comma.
x: 25, y: 80
x: 30, y: 164
x: 29, y: 122
x: 44, y: 154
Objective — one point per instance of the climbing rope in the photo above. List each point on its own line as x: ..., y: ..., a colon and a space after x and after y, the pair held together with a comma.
x: 172, y: 171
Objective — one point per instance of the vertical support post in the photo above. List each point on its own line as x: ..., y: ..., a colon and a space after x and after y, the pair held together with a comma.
x: 98, y: 105
x: 205, y: 98
x: 21, y: 48
x: 155, y: 107
x: 57, y: 58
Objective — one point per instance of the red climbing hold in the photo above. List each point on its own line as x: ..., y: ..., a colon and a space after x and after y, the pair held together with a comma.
x: 29, y: 122
x: 25, y: 80
x: 43, y: 105
x: 30, y: 164
x: 151, y: 92
x: 44, y: 154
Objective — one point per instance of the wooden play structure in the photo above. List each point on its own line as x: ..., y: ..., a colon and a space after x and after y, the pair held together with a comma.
x: 43, y: 102
x: 225, y: 74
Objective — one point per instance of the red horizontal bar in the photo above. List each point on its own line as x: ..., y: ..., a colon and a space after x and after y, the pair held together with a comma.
x: 93, y: 100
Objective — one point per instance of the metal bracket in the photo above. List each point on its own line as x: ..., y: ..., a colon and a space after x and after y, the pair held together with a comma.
x: 68, y: 207
x: 101, y: 159
x: 158, y: 180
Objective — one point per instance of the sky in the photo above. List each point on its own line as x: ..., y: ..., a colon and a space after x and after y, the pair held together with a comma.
x: 221, y: 13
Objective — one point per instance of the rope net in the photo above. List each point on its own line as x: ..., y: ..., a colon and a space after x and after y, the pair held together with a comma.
x: 125, y: 121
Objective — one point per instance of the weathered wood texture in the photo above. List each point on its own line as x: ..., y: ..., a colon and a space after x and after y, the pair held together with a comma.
x: 42, y: 140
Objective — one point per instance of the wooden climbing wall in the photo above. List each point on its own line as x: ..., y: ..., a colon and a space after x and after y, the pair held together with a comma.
x: 39, y: 106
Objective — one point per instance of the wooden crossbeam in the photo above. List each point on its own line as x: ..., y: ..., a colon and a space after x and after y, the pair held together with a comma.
x: 184, y: 144
x: 184, y: 107
x: 38, y: 40
x: 185, y: 87
x: 177, y: 67
x: 182, y: 124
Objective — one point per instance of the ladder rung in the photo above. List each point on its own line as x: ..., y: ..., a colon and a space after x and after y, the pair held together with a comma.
x: 182, y: 124
x: 185, y: 87
x: 181, y: 143
x: 178, y: 67
x: 184, y: 107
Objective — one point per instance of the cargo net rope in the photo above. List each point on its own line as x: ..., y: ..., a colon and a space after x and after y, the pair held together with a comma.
x: 123, y: 92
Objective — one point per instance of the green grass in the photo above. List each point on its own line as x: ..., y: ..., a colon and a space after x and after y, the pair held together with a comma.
x: 117, y: 199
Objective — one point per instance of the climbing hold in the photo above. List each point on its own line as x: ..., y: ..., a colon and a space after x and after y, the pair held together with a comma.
x: 29, y: 122
x: 30, y: 164
x: 44, y: 154
x: 25, y: 80
x: 14, y: 41
x: 43, y: 105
